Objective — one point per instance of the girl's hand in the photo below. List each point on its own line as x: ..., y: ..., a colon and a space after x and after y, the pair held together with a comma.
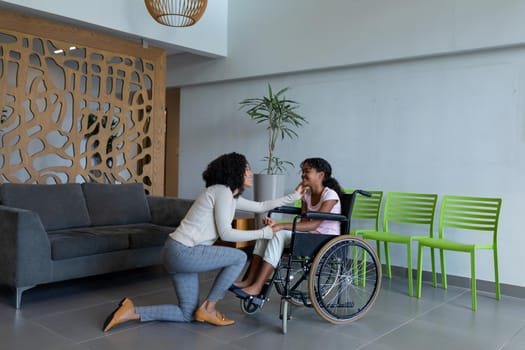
x: 275, y: 228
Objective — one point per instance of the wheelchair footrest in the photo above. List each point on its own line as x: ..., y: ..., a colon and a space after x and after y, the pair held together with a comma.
x: 256, y: 299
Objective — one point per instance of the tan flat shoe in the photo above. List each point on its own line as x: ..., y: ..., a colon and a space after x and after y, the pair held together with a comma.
x: 120, y: 314
x: 218, y: 319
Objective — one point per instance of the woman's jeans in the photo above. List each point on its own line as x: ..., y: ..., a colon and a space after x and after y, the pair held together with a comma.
x: 184, y: 264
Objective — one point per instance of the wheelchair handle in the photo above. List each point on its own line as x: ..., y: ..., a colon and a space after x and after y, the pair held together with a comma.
x: 285, y: 210
x: 324, y: 216
x: 363, y: 193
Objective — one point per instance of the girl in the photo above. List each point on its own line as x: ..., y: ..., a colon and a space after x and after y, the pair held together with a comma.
x: 322, y: 194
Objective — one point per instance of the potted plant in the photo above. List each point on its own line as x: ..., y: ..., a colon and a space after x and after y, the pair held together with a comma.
x: 279, y: 116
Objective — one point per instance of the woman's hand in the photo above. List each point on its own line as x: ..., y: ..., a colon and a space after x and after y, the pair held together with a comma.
x: 273, y: 224
x: 268, y: 221
x: 300, y: 188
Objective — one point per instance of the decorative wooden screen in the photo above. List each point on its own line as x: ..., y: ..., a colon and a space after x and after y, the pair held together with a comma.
x: 75, y: 112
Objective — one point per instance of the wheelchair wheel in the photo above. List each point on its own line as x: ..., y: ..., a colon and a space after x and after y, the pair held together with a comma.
x: 345, y: 279
x: 298, y: 281
x: 249, y: 307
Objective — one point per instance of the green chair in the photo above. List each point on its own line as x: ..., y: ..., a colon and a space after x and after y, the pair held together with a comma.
x: 367, y: 208
x: 464, y: 215
x: 409, y: 210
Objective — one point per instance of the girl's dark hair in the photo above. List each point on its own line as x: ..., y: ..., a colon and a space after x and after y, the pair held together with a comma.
x: 320, y: 164
x: 227, y: 170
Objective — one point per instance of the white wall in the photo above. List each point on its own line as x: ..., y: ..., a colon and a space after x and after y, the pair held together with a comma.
x: 452, y: 125
x: 275, y: 36
x: 208, y: 37
x: 447, y: 123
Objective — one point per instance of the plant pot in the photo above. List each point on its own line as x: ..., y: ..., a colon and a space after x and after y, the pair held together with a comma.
x: 267, y: 187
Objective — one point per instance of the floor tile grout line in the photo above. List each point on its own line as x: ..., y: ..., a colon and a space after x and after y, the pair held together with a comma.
x: 507, y: 342
x: 411, y: 320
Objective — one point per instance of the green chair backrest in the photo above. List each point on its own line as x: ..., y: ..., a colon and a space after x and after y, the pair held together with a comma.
x: 368, y: 207
x: 410, y: 208
x: 470, y: 213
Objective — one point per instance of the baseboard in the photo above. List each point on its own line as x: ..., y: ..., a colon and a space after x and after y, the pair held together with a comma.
x: 464, y: 282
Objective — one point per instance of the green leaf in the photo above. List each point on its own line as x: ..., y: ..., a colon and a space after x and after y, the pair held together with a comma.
x: 278, y: 113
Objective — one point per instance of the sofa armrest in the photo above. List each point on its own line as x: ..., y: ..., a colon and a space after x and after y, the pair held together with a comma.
x: 168, y: 211
x: 25, y: 250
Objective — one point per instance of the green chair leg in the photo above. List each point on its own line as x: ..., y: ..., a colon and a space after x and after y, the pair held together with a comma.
x: 433, y: 261
x: 443, y: 269
x: 473, y: 279
x: 496, y: 275
x: 409, y: 268
x: 387, y: 258
x: 419, y: 281
x: 378, y: 250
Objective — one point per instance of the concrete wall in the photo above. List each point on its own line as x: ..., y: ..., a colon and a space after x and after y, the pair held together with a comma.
x: 274, y: 36
x: 446, y: 116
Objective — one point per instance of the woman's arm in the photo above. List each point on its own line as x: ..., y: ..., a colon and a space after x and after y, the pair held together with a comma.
x: 261, y: 207
x: 223, y: 211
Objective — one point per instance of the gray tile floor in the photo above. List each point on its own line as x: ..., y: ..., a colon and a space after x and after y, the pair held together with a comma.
x: 69, y: 316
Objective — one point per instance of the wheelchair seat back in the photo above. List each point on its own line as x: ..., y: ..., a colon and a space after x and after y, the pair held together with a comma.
x: 307, y: 244
x: 347, y: 205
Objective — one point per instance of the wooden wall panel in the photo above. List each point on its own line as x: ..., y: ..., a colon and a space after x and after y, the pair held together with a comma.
x: 93, y: 112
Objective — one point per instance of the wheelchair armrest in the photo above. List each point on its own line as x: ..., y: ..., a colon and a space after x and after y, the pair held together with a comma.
x: 323, y: 216
x: 364, y: 193
x: 285, y: 210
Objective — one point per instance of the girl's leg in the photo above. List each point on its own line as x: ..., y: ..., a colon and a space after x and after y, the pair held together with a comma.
x: 272, y: 255
x: 255, y: 264
x: 253, y: 272
x: 265, y: 272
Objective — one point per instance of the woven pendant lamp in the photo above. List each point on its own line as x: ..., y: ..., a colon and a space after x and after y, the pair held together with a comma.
x: 176, y: 13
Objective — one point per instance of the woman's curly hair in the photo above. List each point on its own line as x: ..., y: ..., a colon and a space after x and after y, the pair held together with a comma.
x: 228, y: 170
x: 321, y: 164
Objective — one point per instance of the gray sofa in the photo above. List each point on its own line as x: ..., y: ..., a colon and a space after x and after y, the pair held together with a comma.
x: 52, y: 233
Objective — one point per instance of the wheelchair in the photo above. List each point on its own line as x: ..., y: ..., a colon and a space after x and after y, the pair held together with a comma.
x: 339, y: 276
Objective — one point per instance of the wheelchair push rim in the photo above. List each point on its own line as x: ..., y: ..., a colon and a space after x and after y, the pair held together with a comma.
x: 345, y: 279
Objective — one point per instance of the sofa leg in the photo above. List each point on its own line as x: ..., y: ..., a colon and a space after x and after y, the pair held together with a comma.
x: 19, y: 291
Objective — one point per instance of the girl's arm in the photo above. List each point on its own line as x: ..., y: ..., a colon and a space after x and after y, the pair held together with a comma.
x: 308, y: 225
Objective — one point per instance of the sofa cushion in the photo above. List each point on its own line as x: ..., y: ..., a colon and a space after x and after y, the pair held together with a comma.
x: 59, y: 206
x: 72, y: 243
x: 148, y: 235
x: 110, y: 204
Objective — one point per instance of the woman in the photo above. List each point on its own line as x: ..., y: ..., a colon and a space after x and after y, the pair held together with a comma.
x: 189, y: 250
x: 322, y: 194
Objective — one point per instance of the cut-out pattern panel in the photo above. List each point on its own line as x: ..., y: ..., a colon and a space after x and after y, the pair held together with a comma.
x: 75, y: 114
